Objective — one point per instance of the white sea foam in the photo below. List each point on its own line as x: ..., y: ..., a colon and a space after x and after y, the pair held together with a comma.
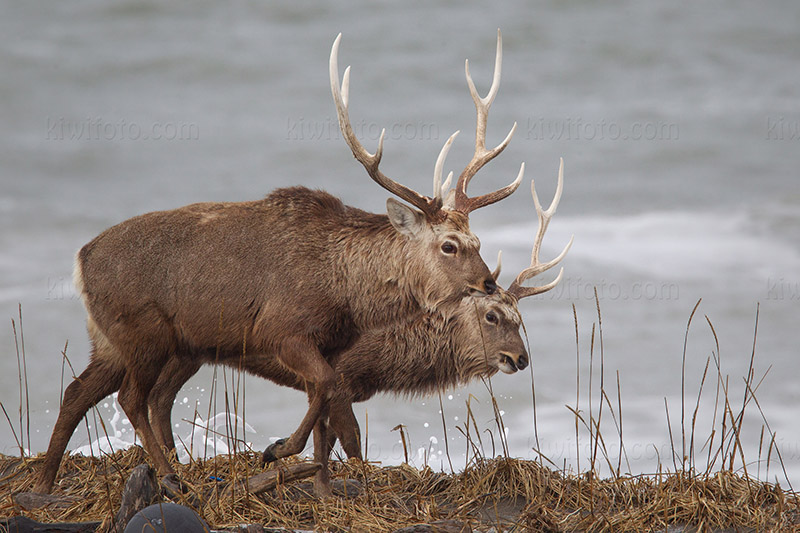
x: 205, y: 438
x: 667, y: 245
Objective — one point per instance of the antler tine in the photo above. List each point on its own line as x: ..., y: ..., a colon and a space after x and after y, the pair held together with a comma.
x: 430, y: 206
x: 545, y: 216
x: 496, y: 196
x: 536, y: 267
x: 438, y: 186
x: 496, y: 271
x: 482, y: 155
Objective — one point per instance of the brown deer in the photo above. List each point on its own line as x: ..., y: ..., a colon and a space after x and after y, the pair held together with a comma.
x: 297, y: 275
x: 433, y: 350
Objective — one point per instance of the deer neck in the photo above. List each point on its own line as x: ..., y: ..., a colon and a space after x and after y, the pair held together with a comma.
x: 431, y: 352
x: 382, y: 281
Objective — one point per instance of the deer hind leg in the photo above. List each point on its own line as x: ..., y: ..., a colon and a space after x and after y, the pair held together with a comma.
x: 103, y: 376
x: 302, y: 357
x: 142, y: 374
x: 174, y: 374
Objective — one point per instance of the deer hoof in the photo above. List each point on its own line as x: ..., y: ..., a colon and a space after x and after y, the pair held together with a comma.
x: 269, y: 454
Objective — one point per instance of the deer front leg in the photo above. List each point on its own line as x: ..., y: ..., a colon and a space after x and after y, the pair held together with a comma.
x: 322, y: 452
x: 302, y: 357
x: 337, y: 418
x: 342, y: 421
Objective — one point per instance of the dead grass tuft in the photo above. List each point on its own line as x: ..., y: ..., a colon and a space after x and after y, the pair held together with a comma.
x: 501, y: 493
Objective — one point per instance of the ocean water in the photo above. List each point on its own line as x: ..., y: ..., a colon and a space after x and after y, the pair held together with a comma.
x: 679, y: 124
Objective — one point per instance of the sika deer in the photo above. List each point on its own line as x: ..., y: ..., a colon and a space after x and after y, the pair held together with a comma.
x: 433, y: 350
x: 296, y: 275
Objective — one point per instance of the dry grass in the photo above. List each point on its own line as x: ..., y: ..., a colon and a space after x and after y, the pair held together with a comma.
x: 502, y: 493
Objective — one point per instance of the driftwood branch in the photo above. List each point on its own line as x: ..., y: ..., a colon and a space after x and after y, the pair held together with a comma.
x: 270, y: 479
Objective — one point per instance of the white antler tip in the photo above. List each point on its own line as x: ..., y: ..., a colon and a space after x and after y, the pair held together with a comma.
x: 521, y: 173
x: 346, y: 87
x: 535, y: 196
x: 335, y: 47
x: 496, y: 271
x: 437, y: 169
x: 558, y: 278
x: 448, y: 181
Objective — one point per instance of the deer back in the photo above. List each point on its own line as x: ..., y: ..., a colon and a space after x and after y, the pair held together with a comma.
x: 213, y: 276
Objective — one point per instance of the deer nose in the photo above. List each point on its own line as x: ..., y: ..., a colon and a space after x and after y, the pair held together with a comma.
x: 490, y: 285
x: 522, y: 362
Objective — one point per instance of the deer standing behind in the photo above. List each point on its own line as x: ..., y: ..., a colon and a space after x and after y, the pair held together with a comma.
x: 434, y: 350
x: 297, y: 275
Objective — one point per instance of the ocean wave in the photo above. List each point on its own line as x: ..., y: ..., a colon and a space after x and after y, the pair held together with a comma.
x: 667, y: 245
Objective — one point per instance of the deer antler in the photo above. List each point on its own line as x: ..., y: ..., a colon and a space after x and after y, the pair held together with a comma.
x: 536, y: 267
x: 482, y: 156
x: 432, y: 207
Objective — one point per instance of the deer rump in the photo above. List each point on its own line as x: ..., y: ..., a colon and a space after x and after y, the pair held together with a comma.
x: 211, y: 278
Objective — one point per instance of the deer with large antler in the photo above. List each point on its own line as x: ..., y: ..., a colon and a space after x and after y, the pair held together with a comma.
x: 297, y: 275
x: 460, y: 340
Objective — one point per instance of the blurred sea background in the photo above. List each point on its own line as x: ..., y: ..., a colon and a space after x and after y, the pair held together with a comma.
x: 679, y: 124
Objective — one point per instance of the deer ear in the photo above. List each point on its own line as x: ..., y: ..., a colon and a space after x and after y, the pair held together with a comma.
x: 406, y: 220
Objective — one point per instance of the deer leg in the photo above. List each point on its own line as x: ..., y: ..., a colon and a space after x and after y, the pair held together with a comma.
x: 344, y: 425
x: 337, y: 418
x: 101, y: 378
x: 330, y: 435
x: 174, y: 374
x: 139, y: 380
x: 302, y: 357
x: 322, y: 452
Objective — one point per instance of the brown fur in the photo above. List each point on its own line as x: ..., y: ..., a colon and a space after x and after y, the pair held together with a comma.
x: 297, y: 274
x: 431, y: 351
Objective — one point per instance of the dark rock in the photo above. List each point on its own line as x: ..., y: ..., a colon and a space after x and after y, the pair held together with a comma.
x: 166, y: 517
x: 347, y: 487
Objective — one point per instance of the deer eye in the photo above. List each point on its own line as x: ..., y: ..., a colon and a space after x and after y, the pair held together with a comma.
x: 491, y: 318
x: 449, y: 248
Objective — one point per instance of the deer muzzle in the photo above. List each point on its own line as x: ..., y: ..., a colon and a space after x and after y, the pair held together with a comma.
x: 510, y: 363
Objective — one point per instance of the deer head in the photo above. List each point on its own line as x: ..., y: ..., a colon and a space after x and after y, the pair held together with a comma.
x: 499, y: 315
x: 444, y: 252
